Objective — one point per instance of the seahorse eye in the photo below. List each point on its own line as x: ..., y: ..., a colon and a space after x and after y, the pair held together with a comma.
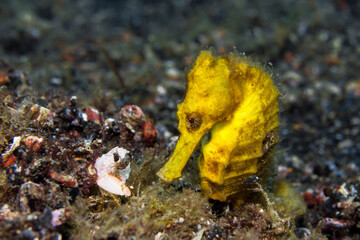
x: 193, y: 121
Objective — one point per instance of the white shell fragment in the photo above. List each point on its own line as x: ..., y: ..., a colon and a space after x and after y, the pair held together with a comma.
x: 14, y: 145
x: 113, y: 185
x: 105, y: 166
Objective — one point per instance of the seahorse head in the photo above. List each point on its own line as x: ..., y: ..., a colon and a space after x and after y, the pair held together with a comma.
x: 210, y: 98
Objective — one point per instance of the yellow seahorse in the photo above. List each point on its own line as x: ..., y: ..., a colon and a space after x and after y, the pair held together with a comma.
x: 238, y: 104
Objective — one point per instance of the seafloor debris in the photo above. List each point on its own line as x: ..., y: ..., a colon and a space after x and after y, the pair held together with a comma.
x: 65, y: 180
x: 135, y: 121
x: 34, y: 142
x: 106, y: 167
x: 14, y: 145
x: 41, y: 115
x: 338, y: 209
x: 12, y: 78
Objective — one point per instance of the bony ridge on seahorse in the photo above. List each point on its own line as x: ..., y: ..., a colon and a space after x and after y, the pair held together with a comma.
x: 238, y: 104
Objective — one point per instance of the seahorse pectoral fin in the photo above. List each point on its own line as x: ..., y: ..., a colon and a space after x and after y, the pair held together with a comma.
x: 183, y: 150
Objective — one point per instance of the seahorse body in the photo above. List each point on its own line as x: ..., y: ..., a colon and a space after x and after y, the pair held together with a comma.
x: 238, y: 103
